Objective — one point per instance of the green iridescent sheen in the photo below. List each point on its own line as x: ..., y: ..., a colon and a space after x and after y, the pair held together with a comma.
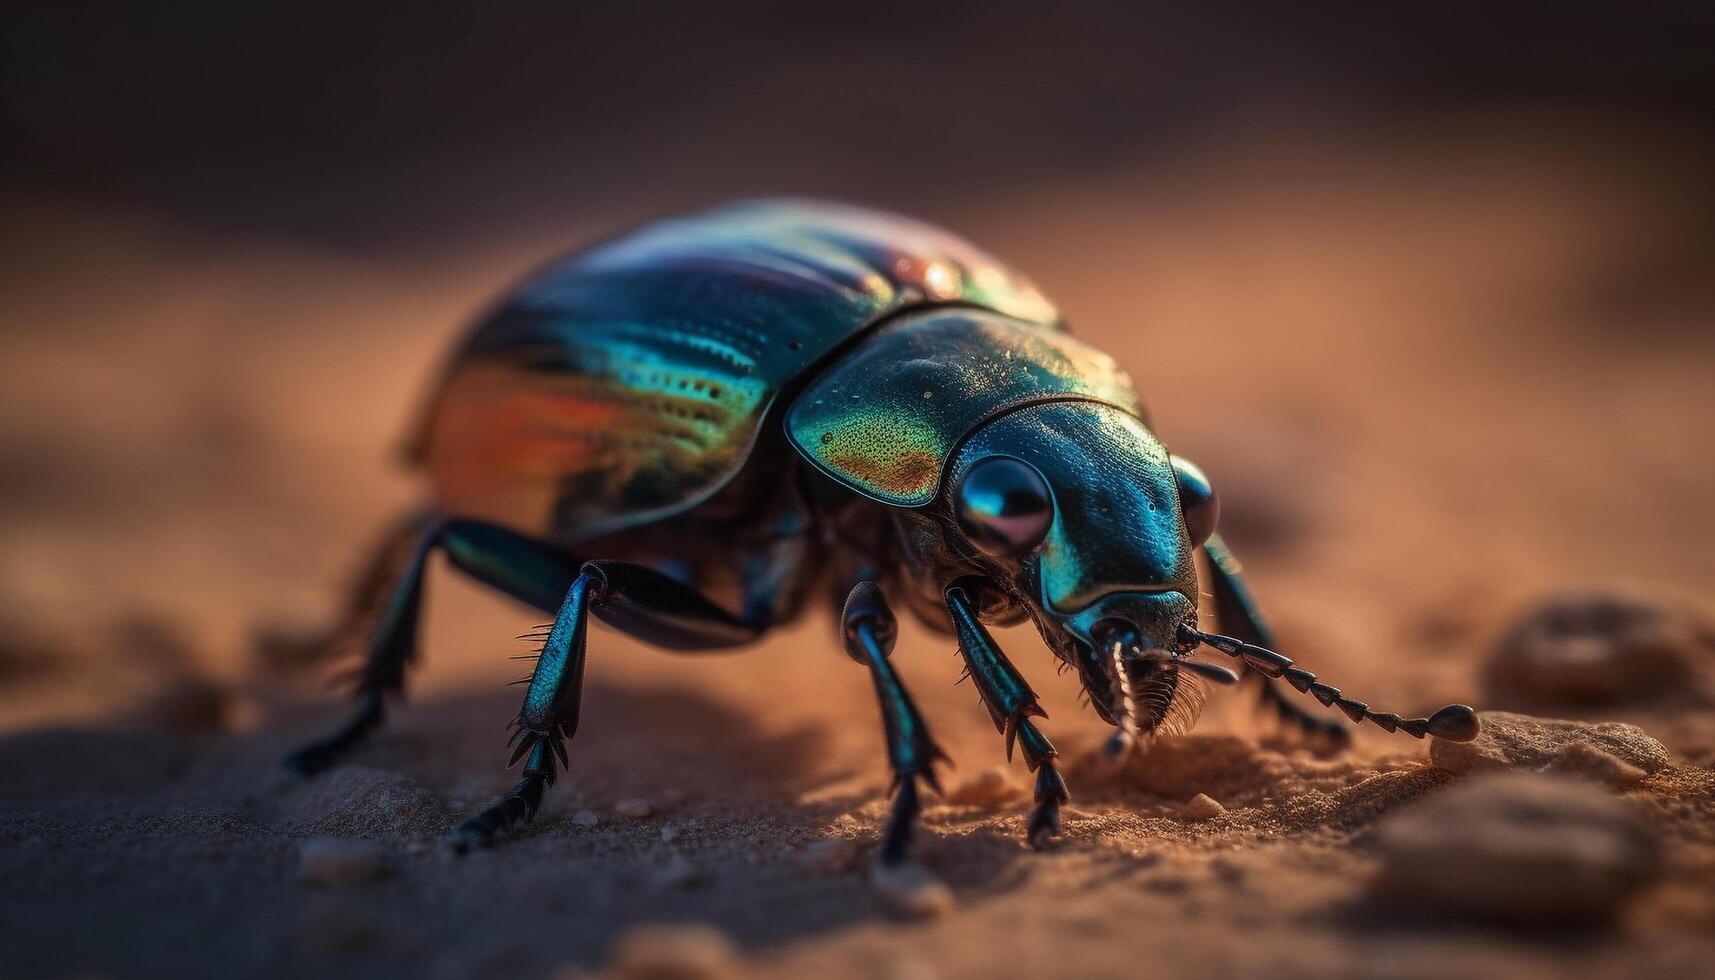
x: 885, y: 419
x: 628, y: 383
x: 551, y: 701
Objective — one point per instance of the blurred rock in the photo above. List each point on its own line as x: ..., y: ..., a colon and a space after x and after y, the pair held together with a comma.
x: 335, y: 862
x: 1517, y: 848
x: 1599, y: 649
x: 990, y: 788
x: 1610, y: 752
x: 680, y: 952
x: 910, y: 891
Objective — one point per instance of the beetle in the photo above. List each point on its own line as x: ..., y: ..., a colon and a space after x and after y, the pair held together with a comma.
x: 690, y: 430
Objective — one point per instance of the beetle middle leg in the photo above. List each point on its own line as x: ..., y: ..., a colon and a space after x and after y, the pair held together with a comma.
x: 1239, y: 615
x: 633, y: 599
x: 1011, y: 704
x: 869, y: 630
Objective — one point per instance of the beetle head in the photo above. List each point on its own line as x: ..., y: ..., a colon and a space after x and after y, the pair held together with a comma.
x: 1076, y: 511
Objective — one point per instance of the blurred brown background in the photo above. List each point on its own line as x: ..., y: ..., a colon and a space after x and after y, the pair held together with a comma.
x: 1426, y: 288
x: 1453, y: 260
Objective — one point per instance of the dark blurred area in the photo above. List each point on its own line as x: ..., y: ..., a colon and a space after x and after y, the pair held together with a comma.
x: 363, y: 122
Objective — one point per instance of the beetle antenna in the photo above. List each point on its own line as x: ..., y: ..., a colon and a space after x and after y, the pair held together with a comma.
x: 1455, y: 722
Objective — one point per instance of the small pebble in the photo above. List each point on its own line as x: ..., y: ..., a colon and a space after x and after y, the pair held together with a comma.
x: 1203, y: 807
x: 909, y: 890
x: 676, y: 952
x: 586, y: 818
x: 333, y: 862
x: 1517, y: 848
x: 633, y: 809
x: 669, y: 833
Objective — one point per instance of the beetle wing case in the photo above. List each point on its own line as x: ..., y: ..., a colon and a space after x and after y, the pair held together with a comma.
x: 628, y: 383
x: 885, y: 419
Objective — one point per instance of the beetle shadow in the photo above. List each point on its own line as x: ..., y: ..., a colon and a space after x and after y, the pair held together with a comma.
x: 753, y: 831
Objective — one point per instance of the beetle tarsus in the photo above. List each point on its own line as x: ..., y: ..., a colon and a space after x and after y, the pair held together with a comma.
x: 896, y: 839
x: 1044, y: 823
x: 518, y: 806
x: 1239, y: 615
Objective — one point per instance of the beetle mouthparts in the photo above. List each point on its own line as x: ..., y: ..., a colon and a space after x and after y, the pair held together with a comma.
x: 1124, y: 708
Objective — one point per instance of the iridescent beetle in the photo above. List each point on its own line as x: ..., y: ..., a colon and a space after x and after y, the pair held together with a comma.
x: 687, y: 429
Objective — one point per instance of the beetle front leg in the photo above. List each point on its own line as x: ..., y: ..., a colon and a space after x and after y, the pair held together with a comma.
x: 869, y: 630
x: 1239, y: 615
x: 1011, y: 704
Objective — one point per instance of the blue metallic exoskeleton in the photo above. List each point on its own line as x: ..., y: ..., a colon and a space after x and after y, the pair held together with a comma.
x: 688, y: 429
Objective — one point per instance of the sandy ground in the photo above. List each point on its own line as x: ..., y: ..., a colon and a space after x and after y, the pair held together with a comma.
x: 1436, y: 381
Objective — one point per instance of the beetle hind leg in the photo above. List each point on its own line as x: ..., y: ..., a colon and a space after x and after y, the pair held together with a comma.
x: 388, y: 596
x: 523, y: 568
x: 1239, y: 615
x: 1330, y: 733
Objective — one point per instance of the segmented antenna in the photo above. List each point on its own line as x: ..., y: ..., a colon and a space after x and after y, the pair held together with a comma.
x: 1455, y: 722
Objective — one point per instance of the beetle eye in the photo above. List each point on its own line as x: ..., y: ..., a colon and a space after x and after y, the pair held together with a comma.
x: 1197, y: 500
x: 1004, y: 506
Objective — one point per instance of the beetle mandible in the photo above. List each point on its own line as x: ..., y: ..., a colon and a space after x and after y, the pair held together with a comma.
x: 688, y: 429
